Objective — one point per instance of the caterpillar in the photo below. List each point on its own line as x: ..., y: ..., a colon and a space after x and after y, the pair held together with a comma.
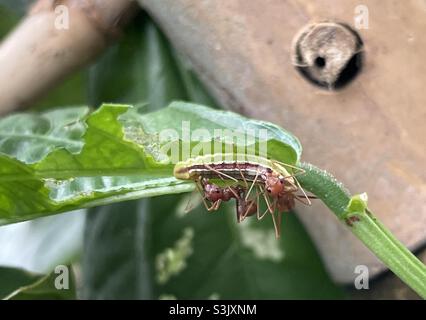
x: 269, y: 178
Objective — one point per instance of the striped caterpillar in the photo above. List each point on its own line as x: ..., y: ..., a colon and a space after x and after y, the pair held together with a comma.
x: 268, y: 178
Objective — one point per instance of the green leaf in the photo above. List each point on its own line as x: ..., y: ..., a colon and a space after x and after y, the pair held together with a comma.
x: 140, y: 68
x: 115, y: 262
x: 30, y: 137
x: 189, y: 260
x: 7, y: 21
x: 74, y: 173
x: 357, y: 204
x: 41, y: 287
x: 65, y: 159
x: 14, y: 278
x: 70, y: 92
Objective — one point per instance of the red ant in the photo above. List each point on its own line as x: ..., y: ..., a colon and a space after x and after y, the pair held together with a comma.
x: 216, y: 195
x: 272, y: 185
x: 282, y: 189
x: 283, y: 192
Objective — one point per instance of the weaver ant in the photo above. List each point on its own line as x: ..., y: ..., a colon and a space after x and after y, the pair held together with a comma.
x: 216, y: 195
x: 269, y: 178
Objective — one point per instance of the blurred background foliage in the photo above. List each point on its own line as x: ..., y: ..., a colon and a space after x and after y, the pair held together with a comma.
x: 151, y: 248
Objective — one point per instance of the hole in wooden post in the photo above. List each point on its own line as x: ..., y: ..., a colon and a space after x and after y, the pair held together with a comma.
x: 328, y: 54
x: 320, y: 62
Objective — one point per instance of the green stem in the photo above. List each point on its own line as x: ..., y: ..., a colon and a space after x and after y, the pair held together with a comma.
x: 366, y: 227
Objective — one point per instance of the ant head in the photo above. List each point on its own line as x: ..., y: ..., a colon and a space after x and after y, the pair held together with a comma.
x: 274, y: 185
x: 213, y: 192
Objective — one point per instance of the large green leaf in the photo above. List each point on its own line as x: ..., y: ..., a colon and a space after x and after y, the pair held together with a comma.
x: 13, y: 278
x: 62, y: 160
x: 30, y: 137
x: 72, y: 173
x: 209, y: 255
x: 115, y: 260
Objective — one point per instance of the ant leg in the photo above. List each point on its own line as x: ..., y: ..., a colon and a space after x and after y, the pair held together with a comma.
x: 312, y: 197
x: 242, y: 176
x: 302, y: 200
x: 258, y: 206
x: 189, y: 206
x: 213, y: 206
x: 234, y: 193
x: 220, y: 174
x: 277, y: 227
x: 247, y: 211
x: 266, y: 200
x: 280, y: 215
x: 293, y: 185
x: 216, y: 205
x: 300, y: 171
x: 208, y: 207
x: 236, y: 210
x: 251, y: 187
x: 304, y: 193
x: 309, y: 196
x: 263, y: 214
x: 260, y: 217
x: 198, y: 185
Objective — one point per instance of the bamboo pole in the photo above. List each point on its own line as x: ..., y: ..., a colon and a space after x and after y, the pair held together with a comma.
x: 53, y: 40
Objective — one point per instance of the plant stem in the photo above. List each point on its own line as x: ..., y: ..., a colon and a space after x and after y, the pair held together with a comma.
x: 366, y: 227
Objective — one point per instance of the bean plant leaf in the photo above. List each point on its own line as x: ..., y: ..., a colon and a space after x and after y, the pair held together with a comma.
x: 67, y: 176
x: 68, y: 159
